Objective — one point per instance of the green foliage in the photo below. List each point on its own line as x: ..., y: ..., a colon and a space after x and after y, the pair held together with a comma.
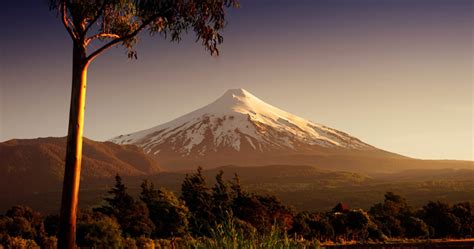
x: 254, y: 221
x: 222, y: 201
x: 50, y: 243
x: 130, y: 214
x: 21, y: 243
x: 339, y: 224
x: 301, y: 225
x: 195, y: 193
x: 438, y: 216
x: 129, y: 243
x: 321, y: 229
x: 262, y: 211
x: 236, y: 187
x: 21, y: 222
x: 167, y: 212
x: 51, y: 224
x: 358, y: 222
x: 415, y: 228
x: 95, y: 230
x: 145, y: 243
x: 389, y: 214
x: 230, y: 235
x: 119, y: 21
x: 465, y: 213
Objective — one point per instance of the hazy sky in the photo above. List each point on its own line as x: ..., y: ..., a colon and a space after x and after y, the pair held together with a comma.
x: 397, y: 74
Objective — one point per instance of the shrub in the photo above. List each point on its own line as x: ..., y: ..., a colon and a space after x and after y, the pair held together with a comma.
x: 21, y: 243
x: 145, y: 243
x: 99, y: 231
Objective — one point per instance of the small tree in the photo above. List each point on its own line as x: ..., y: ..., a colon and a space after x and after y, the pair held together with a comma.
x: 358, y: 222
x: 118, y: 22
x: 465, y: 213
x: 300, y: 226
x: 320, y: 227
x: 415, y: 228
x: 339, y: 224
x: 389, y: 215
x: 438, y: 216
x: 167, y: 212
x: 96, y: 230
x: 22, y: 221
x: 235, y: 187
x: 130, y: 214
x: 222, y: 202
x: 195, y: 194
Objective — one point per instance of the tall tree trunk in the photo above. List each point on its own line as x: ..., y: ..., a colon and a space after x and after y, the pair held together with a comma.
x: 72, y: 173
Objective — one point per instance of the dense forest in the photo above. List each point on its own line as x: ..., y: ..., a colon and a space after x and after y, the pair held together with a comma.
x: 227, y: 216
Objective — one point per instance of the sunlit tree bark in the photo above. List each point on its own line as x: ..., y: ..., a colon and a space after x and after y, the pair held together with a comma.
x: 110, y: 23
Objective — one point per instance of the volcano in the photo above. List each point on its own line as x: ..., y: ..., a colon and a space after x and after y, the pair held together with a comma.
x: 240, y: 129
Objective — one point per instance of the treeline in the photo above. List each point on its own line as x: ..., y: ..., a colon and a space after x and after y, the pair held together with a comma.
x: 203, y: 211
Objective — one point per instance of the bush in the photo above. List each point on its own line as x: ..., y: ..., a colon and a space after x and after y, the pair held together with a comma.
x: 99, y: 231
x: 167, y: 212
x: 415, y: 228
x: 129, y: 243
x: 145, y: 243
x: 21, y: 243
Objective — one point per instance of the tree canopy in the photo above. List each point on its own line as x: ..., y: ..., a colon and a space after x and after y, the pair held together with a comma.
x: 118, y: 22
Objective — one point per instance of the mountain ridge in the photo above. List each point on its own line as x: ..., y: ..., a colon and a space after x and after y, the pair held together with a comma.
x: 39, y: 163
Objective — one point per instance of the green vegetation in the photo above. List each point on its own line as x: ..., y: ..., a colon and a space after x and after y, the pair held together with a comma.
x: 226, y: 215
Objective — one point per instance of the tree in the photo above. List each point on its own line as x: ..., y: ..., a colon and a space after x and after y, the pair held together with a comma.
x: 95, y: 230
x: 262, y: 212
x: 339, y: 224
x: 389, y: 215
x: 465, y: 213
x: 51, y: 224
x: 415, y: 228
x: 312, y: 226
x: 22, y: 221
x: 321, y: 228
x: 195, y: 194
x: 118, y: 201
x: 108, y: 23
x: 277, y: 213
x: 167, y: 212
x: 236, y: 187
x: 300, y: 225
x: 222, y: 202
x: 358, y: 222
x: 438, y: 216
x: 130, y: 214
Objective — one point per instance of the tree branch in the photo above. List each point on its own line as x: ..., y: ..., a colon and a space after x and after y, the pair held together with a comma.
x: 99, y: 13
x: 101, y: 35
x: 66, y: 22
x: 100, y: 50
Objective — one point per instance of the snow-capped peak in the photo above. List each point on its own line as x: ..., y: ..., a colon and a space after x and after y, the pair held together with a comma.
x: 236, y: 100
x: 237, y: 119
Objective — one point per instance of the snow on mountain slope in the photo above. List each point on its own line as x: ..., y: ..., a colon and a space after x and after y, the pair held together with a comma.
x: 238, y: 121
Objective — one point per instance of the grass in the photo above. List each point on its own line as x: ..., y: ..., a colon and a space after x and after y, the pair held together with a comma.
x: 230, y: 235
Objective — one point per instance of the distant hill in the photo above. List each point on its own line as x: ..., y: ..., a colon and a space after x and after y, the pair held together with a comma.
x: 31, y: 172
x: 304, y: 187
x: 28, y: 165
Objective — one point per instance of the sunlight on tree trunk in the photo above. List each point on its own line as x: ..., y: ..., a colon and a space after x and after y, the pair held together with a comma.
x: 72, y: 174
x: 118, y: 23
